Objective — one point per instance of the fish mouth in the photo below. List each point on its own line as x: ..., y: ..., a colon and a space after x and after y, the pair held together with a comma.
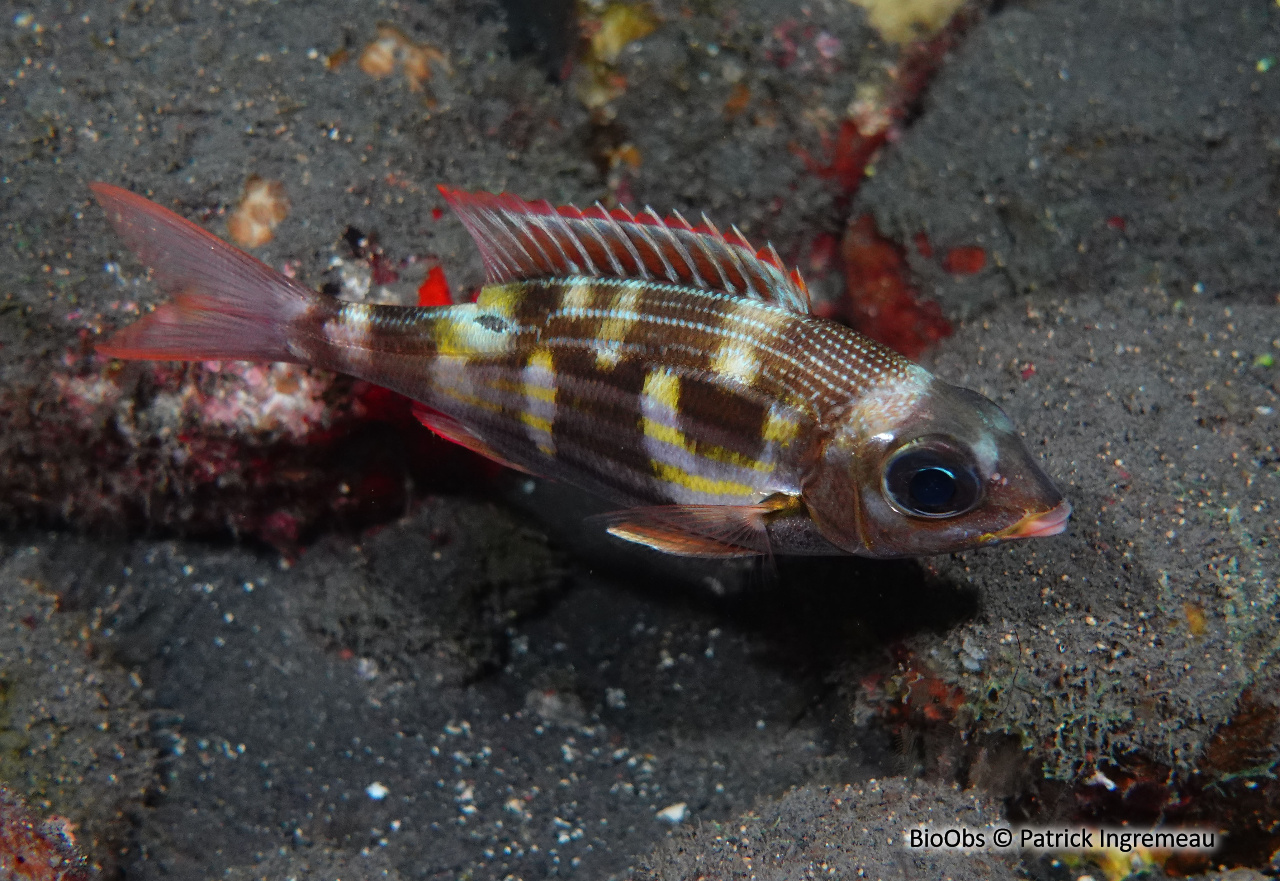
x: 1040, y: 524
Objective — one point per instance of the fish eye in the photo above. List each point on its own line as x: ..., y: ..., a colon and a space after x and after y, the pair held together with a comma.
x: 932, y: 477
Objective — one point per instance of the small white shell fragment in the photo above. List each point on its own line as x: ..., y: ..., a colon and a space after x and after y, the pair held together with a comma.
x: 1100, y: 779
x: 675, y: 813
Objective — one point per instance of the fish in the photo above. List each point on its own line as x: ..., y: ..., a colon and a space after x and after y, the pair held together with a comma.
x: 669, y: 367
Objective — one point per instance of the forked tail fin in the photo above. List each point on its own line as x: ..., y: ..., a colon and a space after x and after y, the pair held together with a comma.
x: 226, y: 305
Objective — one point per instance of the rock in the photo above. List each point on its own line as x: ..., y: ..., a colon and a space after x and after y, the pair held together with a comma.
x: 74, y: 740
x: 1091, y: 145
x: 1142, y: 626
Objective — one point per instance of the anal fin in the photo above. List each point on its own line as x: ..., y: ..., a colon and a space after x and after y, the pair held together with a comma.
x: 455, y: 432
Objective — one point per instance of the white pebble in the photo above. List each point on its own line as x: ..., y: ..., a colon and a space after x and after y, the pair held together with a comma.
x: 675, y: 813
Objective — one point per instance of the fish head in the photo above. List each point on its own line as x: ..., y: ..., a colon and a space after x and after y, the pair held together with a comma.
x: 937, y: 470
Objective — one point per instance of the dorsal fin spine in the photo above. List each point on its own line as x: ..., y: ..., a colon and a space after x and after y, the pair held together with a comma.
x: 522, y: 240
x: 581, y: 248
x: 799, y: 282
x: 770, y: 255
x: 529, y: 226
x: 678, y: 245
x: 621, y: 235
x: 543, y: 222
x: 614, y: 263
x: 725, y: 281
x: 734, y: 256
x: 575, y: 214
x: 668, y: 270
x: 700, y: 242
x: 495, y: 262
x: 497, y: 232
x: 511, y: 228
x: 676, y: 220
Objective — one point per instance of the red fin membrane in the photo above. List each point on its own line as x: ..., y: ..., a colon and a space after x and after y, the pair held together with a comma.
x: 226, y: 305
x: 695, y: 530
x: 455, y: 432
x: 532, y: 240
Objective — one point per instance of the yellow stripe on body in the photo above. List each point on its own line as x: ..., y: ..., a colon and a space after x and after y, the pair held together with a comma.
x: 469, y: 400
x: 780, y: 429
x: 675, y: 437
x: 621, y: 314
x: 500, y: 299
x: 538, y: 386
x: 578, y: 296
x: 459, y: 335
x: 663, y: 387
x: 737, y: 359
x: 540, y: 361
x: 541, y: 424
x: 616, y: 322
x: 662, y: 392
x: 536, y: 396
x: 700, y: 484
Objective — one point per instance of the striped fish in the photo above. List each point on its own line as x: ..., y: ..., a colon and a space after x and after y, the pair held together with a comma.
x: 671, y: 368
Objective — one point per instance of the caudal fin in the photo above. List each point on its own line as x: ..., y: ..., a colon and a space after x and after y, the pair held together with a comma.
x: 226, y: 305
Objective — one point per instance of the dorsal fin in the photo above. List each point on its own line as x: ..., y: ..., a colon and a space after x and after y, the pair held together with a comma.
x: 522, y: 240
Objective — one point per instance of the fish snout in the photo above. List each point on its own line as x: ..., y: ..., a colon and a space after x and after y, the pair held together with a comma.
x: 1040, y: 524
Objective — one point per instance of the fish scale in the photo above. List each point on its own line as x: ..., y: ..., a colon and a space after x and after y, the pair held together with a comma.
x: 670, y: 367
x: 716, y: 448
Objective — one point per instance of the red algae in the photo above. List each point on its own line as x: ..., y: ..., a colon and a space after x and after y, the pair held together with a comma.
x: 966, y: 260
x: 848, y: 155
x: 37, y: 850
x: 923, y: 246
x: 211, y: 452
x: 880, y: 301
x: 859, y: 139
x: 879, y: 298
x: 434, y: 290
x: 914, y: 697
